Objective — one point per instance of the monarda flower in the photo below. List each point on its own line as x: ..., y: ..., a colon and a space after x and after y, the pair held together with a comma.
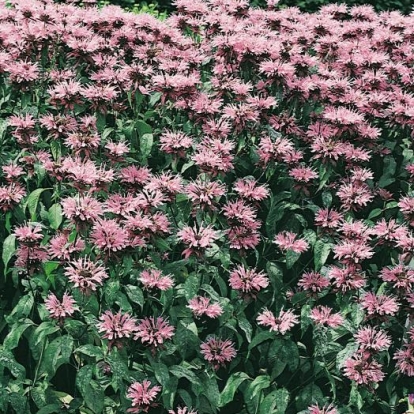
x: 82, y: 209
x: 323, y: 315
x: 250, y: 190
x: 283, y: 323
x: 200, y: 306
x: 372, y: 339
x: 248, y: 281
x: 328, y: 409
x: 154, y: 279
x: 363, y: 370
x: 142, y: 396
x: 60, y: 309
x: 313, y: 282
x: 287, y: 241
x: 86, y: 275
x: 379, y: 305
x: 218, y: 352
x: 197, y: 240
x: 183, y: 410
x: 175, y: 143
x: 108, y: 236
x: 10, y: 196
x: 405, y: 359
x: 116, y: 326
x: 154, y: 331
x: 60, y: 247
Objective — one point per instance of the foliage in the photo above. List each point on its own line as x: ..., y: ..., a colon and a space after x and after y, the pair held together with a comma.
x: 211, y: 213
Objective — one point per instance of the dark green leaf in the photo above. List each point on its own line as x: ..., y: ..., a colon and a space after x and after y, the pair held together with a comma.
x: 230, y: 389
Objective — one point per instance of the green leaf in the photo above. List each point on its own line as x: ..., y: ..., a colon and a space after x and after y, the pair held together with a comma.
x: 191, y: 286
x: 9, y: 247
x: 291, y: 258
x: 180, y: 371
x: 91, y: 351
x: 230, y: 389
x: 90, y: 390
x: 260, y: 338
x: 55, y: 216
x: 119, y: 370
x: 275, y: 402
x: 12, y: 339
x: 310, y: 394
x: 56, y: 354
x: 135, y: 294
x: 321, y: 253
x: 246, y: 327
x: 7, y: 361
x: 22, y: 309
x: 186, y: 338
x: 33, y: 201
x: 146, y: 143
x: 252, y: 394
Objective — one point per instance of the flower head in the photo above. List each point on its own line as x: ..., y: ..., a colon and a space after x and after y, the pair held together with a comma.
x: 283, y: 323
x: 153, y: 331
x: 60, y: 309
x: 218, y: 352
x: 142, y: 396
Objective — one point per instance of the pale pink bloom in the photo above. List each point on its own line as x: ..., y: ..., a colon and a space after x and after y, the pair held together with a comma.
x: 197, y: 240
x: 352, y: 251
x: 175, y: 143
x: 82, y: 209
x: 61, y: 248
x: 116, y: 326
x: 117, y: 150
x: 379, y: 304
x: 243, y: 238
x: 342, y: 116
x: 349, y: 277
x: 313, y: 281
x: 10, y: 196
x: 12, y: 172
x: 248, y: 281
x: 399, y: 276
x: 249, y: 189
x: 120, y: 205
x: 200, y: 306
x: 406, y: 205
x: 28, y: 235
x: 134, y: 175
x: 405, y: 360
x: 153, y: 278
x: 107, y: 235
x: 362, y: 370
x: 166, y: 183
x: 372, y: 339
x: 218, y: 352
x: 354, y: 195
x: 153, y: 331
x: 323, y: 315
x: 287, y: 241
x: 283, y: 323
x: 29, y: 257
x: 240, y: 213
x: 205, y: 193
x: 303, y: 174
x: 60, y: 309
x: 23, y: 72
x: 86, y: 274
x: 142, y: 396
x: 328, y: 409
x: 328, y: 219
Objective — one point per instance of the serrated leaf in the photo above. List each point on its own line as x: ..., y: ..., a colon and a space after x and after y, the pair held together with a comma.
x: 246, y: 327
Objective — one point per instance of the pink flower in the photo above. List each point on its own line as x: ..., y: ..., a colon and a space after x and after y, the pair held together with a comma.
x: 61, y: 248
x: 142, y: 396
x: 313, y: 281
x: 283, y: 323
x: 329, y: 409
x: 372, y: 339
x: 153, y: 331
x: 86, y: 274
x: 175, y: 143
x: 399, y: 276
x: 287, y: 241
x: 60, y: 310
x: 109, y: 236
x: 218, y: 352
x: 352, y: 251
x: 248, y: 281
x: 200, y: 306
x: 82, y: 209
x: 205, y: 193
x: 10, y: 196
x: 197, y: 240
x: 250, y: 190
x: 363, y: 370
x: 28, y: 235
x: 153, y: 278
x: 405, y: 360
x: 379, y: 305
x: 116, y: 326
x: 323, y: 315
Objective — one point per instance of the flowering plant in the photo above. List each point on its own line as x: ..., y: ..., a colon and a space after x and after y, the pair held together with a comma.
x: 210, y: 213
